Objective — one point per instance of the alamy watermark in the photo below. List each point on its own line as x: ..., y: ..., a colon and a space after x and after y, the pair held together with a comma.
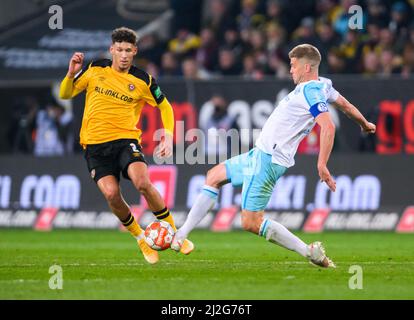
x: 356, y: 21
x: 56, y: 18
x: 196, y: 146
x: 356, y: 280
x: 56, y: 280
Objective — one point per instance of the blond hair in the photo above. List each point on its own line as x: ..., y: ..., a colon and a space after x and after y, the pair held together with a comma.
x: 308, y: 52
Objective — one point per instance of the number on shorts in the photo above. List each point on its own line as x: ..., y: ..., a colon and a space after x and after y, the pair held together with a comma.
x: 134, y: 147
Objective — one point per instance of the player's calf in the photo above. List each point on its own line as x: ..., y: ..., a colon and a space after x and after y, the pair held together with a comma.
x: 251, y: 221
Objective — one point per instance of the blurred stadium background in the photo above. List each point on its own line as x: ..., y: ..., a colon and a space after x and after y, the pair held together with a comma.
x: 223, y: 64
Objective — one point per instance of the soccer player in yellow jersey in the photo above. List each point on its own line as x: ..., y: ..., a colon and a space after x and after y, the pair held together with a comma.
x: 116, y: 92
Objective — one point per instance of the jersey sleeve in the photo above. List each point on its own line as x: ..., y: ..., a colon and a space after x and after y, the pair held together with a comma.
x: 81, y: 80
x: 153, y: 95
x: 332, y: 93
x: 315, y: 98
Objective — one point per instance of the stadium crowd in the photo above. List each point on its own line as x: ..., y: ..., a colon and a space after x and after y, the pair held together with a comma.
x: 252, y: 38
x: 247, y: 39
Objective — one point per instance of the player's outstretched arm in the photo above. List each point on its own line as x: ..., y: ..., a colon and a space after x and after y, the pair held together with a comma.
x: 353, y: 113
x: 167, y: 117
x: 67, y: 89
x: 327, y: 136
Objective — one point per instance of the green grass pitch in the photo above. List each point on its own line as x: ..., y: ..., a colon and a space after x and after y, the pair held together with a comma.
x: 233, y: 265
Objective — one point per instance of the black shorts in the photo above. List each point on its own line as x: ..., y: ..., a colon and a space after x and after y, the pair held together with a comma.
x: 112, y: 158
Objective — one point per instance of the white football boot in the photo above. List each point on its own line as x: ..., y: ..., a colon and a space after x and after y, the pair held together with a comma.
x: 318, y: 257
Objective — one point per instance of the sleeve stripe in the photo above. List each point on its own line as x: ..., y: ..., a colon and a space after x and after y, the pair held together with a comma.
x: 80, y: 74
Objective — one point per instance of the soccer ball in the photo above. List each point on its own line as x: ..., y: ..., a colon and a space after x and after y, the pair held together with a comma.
x: 158, y: 235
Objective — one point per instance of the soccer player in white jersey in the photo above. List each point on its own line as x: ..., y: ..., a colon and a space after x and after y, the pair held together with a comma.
x: 259, y: 169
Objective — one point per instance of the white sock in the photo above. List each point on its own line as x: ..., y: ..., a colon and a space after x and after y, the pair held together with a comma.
x: 277, y: 233
x: 202, y: 205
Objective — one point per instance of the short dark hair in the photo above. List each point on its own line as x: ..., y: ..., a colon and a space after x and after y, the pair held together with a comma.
x: 308, y: 52
x: 124, y: 34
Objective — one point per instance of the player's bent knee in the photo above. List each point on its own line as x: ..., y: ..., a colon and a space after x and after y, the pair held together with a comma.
x: 210, y: 177
x: 143, y: 185
x: 112, y: 195
x: 215, y: 175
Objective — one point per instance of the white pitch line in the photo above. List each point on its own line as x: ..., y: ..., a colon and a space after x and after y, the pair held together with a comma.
x: 204, y: 261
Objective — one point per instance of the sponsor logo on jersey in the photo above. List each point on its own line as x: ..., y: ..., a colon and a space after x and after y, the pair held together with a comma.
x: 113, y: 94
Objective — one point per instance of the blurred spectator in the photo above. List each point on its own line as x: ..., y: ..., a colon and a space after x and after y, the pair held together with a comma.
x: 305, y: 33
x: 408, y: 60
x: 228, y: 64
x: 23, y: 125
x: 277, y: 67
x: 377, y: 13
x: 258, y: 47
x: 169, y: 65
x: 372, y: 39
x: 54, y: 131
x: 206, y: 54
x: 327, y: 38
x: 267, y: 29
x: 150, y: 49
x: 351, y: 51
x: 257, y: 40
x: 386, y: 40
x: 192, y: 71
x: 336, y: 64
x: 276, y: 16
x: 251, y: 70
x: 249, y: 17
x: 399, y: 18
x: 218, y: 18
x: 184, y: 44
x: 275, y: 38
x: 232, y: 41
x: 370, y: 63
x: 216, y: 141
x: 388, y: 64
x: 328, y: 10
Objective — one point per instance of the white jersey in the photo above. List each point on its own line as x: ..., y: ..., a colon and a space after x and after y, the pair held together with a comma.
x: 293, y: 119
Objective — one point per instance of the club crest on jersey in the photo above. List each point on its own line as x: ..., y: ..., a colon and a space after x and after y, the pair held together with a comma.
x: 131, y: 87
x: 322, y: 107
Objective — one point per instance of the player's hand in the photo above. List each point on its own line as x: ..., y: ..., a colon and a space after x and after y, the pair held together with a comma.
x: 369, y: 127
x: 326, y: 177
x: 75, y: 64
x: 165, y: 147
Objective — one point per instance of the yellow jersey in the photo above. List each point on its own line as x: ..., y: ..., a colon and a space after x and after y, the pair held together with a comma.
x: 114, y: 101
